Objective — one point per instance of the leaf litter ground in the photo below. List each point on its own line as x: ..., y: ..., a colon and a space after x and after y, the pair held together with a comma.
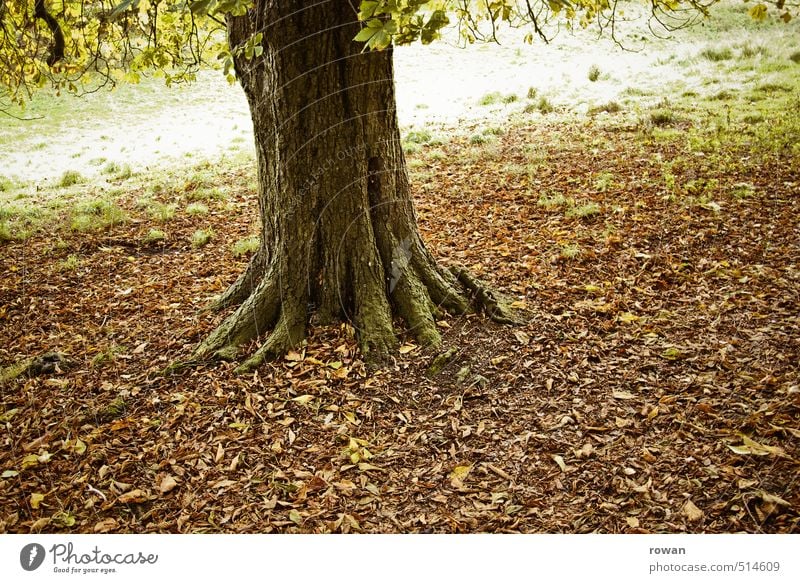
x: 653, y: 388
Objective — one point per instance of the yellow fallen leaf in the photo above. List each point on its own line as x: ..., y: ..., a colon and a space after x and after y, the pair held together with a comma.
x: 628, y: 318
x: 632, y: 521
x: 303, y: 399
x: 79, y: 447
x: 293, y: 356
x: 560, y: 461
x: 750, y: 447
x: 365, y: 467
x: 460, y: 472
x: 406, y: 348
x: 36, y: 499
x: 30, y: 460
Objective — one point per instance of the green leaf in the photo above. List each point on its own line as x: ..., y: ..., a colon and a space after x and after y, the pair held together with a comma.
x: 9, y: 474
x: 202, y: 7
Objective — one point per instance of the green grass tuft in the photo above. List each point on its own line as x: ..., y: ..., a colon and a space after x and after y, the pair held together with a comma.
x: 70, y: 178
x: 196, y: 208
x: 246, y: 246
x: 154, y: 236
x: 717, y: 54
x: 594, y: 73
x: 202, y: 237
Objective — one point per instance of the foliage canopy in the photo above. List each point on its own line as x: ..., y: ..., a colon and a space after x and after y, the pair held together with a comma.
x: 72, y: 43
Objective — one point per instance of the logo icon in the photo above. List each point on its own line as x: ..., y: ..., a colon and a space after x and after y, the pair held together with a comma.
x: 31, y: 556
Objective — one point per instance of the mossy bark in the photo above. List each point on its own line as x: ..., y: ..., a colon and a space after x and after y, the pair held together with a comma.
x: 339, y: 233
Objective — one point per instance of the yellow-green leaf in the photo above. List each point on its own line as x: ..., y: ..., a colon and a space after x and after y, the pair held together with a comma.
x: 79, y: 447
x: 460, y: 472
x: 303, y: 399
x: 36, y: 500
x: 758, y: 12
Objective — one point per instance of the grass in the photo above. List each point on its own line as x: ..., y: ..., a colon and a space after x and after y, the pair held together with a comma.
x: 553, y: 201
x: 245, y: 246
x: 122, y: 172
x: 491, y: 98
x: 201, y: 238
x: 71, y: 263
x: 422, y: 136
x: 543, y: 106
x: 594, y: 73
x: 661, y: 117
x: 154, y: 236
x: 583, y: 211
x: 610, y: 107
x: 196, y: 208
x: 717, y: 54
x: 795, y: 57
x: 161, y: 212
x: 495, y: 97
x: 95, y: 215
x: 70, y: 178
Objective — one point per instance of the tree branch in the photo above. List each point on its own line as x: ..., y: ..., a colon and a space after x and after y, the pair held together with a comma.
x: 57, y: 51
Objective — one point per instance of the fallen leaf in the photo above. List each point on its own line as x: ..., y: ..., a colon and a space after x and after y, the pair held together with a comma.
x: 36, y: 499
x: 9, y: 474
x: 303, y: 399
x: 522, y: 338
x: 560, y: 461
x: 293, y: 356
x: 167, y: 484
x: 406, y: 348
x: 461, y: 472
x: 632, y: 521
x: 625, y: 395
x: 750, y: 447
x: 79, y: 447
x: 133, y: 497
x: 106, y: 525
x: 692, y: 512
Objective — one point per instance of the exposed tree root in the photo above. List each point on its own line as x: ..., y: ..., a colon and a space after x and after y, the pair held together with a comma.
x: 288, y: 333
x: 485, y: 299
x: 252, y: 318
x: 417, y: 290
x: 243, y: 286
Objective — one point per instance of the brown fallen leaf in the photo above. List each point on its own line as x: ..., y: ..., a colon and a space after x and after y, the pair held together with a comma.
x: 133, y: 497
x: 692, y: 512
x: 106, y: 525
x: 167, y: 484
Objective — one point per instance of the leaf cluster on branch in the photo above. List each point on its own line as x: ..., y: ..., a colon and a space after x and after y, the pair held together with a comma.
x: 81, y: 45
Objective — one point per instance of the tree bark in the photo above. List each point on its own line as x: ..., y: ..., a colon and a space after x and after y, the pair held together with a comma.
x: 339, y: 236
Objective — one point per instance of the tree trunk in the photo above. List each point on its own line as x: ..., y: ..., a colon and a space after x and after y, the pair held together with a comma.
x: 339, y: 237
